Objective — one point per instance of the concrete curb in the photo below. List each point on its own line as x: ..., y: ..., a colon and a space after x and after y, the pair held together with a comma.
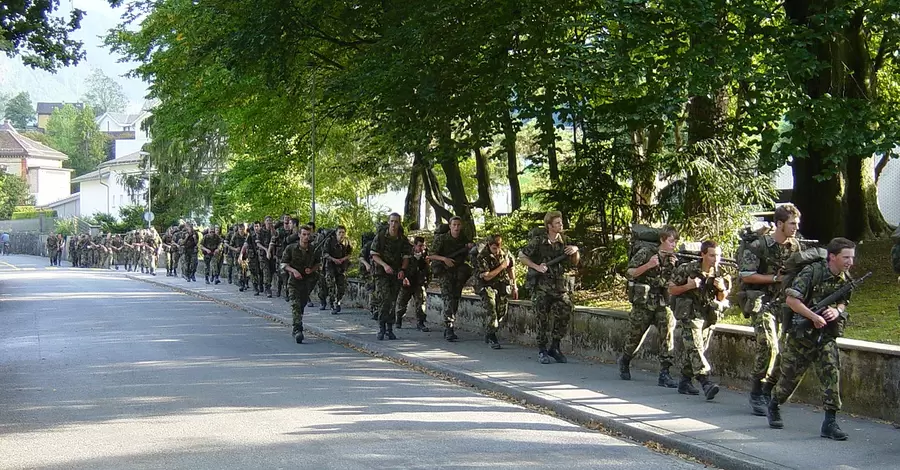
x: 639, y: 431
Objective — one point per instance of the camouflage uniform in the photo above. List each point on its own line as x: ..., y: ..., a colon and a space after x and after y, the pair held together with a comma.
x: 369, y: 279
x: 177, y: 250
x: 763, y: 302
x: 387, y: 286
x: 649, y: 297
x: 266, y: 263
x: 696, y: 312
x: 189, y: 244
x: 237, y: 243
x: 494, y: 293
x: 52, y: 248
x: 806, y: 347
x: 334, y: 273
x: 322, y: 285
x: 550, y: 291
x: 212, y: 242
x: 418, y: 274
x: 300, y: 258
x: 253, y: 261
x: 277, y: 246
x: 452, y: 280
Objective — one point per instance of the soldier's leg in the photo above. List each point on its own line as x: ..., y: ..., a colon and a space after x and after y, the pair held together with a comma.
x: 489, y: 311
x: 403, y: 297
x: 300, y: 294
x: 795, y: 359
x: 265, y: 265
x: 767, y: 363
x: 255, y: 275
x: 540, y: 304
x: 665, y: 326
x: 207, y: 268
x: 829, y: 372
x: 561, y: 309
x: 639, y: 320
x: 216, y: 267
x: 502, y: 309
x: 341, y: 287
x: 322, y: 290
x: 450, y: 303
x: 419, y: 307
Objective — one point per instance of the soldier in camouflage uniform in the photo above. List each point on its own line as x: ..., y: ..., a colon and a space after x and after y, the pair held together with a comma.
x: 366, y: 272
x: 277, y: 246
x: 266, y: 255
x: 52, y: 248
x: 818, y: 345
x: 251, y: 253
x: 337, y: 258
x: 302, y: 262
x: 167, y: 246
x: 452, y: 271
x: 761, y: 298
x: 416, y: 275
x: 237, y: 248
x: 649, y: 271
x: 699, y: 289
x: 388, y: 250
x: 550, y: 289
x: 211, y: 245
x: 495, y: 283
x: 178, y: 250
x: 189, y: 243
x: 73, y: 250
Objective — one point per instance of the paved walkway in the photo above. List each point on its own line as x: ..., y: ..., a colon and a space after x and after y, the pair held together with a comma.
x: 721, y: 432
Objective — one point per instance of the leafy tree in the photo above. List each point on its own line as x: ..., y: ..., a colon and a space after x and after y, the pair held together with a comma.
x: 132, y: 217
x: 14, y: 192
x: 19, y: 110
x: 33, y: 30
x: 104, y: 93
x: 75, y: 134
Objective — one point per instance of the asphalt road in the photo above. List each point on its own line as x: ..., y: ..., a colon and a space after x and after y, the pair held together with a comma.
x: 99, y: 371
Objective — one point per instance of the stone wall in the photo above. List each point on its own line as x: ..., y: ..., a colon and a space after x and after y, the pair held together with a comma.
x: 870, y: 372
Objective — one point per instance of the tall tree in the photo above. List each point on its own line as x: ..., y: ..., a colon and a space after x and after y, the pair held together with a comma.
x: 33, y: 30
x: 19, y: 110
x: 14, y: 192
x: 75, y: 134
x: 104, y: 94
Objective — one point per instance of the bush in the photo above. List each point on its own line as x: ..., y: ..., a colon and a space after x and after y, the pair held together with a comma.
x: 66, y: 227
x: 32, y: 214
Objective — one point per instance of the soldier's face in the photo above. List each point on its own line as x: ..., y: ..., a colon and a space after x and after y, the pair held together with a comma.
x: 268, y: 222
x: 289, y: 225
x: 790, y: 227
x: 555, y: 225
x: 495, y: 247
x: 341, y: 233
x: 712, y: 255
x: 668, y: 244
x: 394, y: 225
x: 304, y: 237
x: 419, y: 248
x: 256, y: 227
x: 455, y: 228
x: 843, y: 261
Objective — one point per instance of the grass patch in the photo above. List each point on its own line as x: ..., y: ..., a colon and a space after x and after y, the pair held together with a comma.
x: 873, y: 307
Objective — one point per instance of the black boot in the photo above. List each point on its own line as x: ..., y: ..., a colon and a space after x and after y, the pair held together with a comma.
x: 757, y: 402
x: 269, y: 292
x: 323, y: 306
x: 830, y: 428
x: 298, y: 333
x: 390, y: 331
x: 774, y: 415
x: 767, y: 392
x: 399, y: 324
x: 710, y: 389
x: 217, y: 281
x: 543, y: 357
x: 381, y: 331
x: 420, y: 325
x: 207, y: 278
x: 255, y: 289
x: 665, y: 378
x: 686, y: 387
x: 278, y: 292
x: 624, y: 367
x: 493, y: 341
x: 449, y: 334
x: 555, y: 353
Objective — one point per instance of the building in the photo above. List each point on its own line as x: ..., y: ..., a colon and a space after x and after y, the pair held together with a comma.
x: 102, y: 190
x: 125, y: 131
x: 45, y: 110
x: 39, y: 165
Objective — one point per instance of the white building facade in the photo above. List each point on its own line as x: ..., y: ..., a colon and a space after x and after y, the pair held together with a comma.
x: 102, y: 190
x: 37, y: 164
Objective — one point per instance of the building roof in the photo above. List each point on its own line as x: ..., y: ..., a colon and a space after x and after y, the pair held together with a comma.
x: 13, y: 144
x: 131, y: 158
x: 48, y: 108
x: 122, y: 119
x: 67, y: 199
x: 93, y: 175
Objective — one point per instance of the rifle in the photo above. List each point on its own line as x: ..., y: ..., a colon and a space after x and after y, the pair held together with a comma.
x: 533, y: 275
x: 439, y: 268
x: 802, y: 323
x: 693, y: 257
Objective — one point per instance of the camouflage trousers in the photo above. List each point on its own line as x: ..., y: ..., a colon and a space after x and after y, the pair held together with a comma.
x: 495, y: 304
x: 387, y: 289
x: 267, y: 269
x: 190, y: 263
x: 148, y: 258
x: 417, y: 295
x: 255, y: 273
x: 51, y: 253
x: 767, y: 330
x: 211, y: 263
x: 552, y: 311
x: 800, y: 352
x: 299, y: 290
x: 176, y: 261
x: 337, y: 286
x: 451, y: 292
x: 369, y: 280
x: 322, y: 289
x: 645, y: 316
x: 695, y: 334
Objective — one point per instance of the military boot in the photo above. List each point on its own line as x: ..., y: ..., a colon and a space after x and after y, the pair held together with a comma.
x: 774, y: 415
x: 298, y: 333
x: 207, y: 278
x: 757, y: 402
x: 830, y: 428
x: 420, y: 325
x: 381, y: 330
x: 665, y: 378
x: 337, y: 307
x: 269, y: 292
x: 493, y: 341
x: 217, y: 281
x: 624, y: 367
x: 767, y: 392
x: 543, y: 357
x: 278, y: 292
x: 390, y: 331
x: 255, y: 289
x: 450, y: 334
x: 555, y: 353
x: 710, y: 389
x: 323, y: 306
x: 686, y: 387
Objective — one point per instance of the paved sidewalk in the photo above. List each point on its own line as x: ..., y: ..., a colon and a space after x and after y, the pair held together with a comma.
x: 721, y: 432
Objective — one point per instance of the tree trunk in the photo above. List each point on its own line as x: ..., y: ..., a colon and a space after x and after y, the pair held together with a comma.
x: 483, y: 177
x: 645, y: 142
x: 411, y: 206
x: 706, y: 120
x: 548, y: 133
x: 512, y: 161
x: 819, y: 201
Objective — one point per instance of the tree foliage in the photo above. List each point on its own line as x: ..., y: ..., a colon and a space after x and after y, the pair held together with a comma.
x: 104, y: 93
x: 33, y: 30
x: 20, y: 111
x: 75, y: 133
x: 14, y: 192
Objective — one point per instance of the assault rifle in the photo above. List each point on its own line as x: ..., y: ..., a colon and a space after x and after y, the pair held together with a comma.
x: 693, y: 257
x: 533, y: 275
x: 439, y: 268
x: 802, y: 323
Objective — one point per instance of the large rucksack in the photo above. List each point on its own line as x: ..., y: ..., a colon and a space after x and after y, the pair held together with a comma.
x: 642, y: 236
x: 748, y: 236
x: 792, y: 267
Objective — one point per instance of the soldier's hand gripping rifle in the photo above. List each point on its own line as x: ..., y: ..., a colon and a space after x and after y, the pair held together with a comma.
x: 439, y: 268
x: 533, y: 275
x: 802, y: 323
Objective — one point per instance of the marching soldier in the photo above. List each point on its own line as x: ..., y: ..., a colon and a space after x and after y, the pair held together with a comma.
x: 416, y: 275
x: 451, y: 250
x: 302, y: 263
x: 388, y: 250
x: 495, y: 283
x: 337, y: 258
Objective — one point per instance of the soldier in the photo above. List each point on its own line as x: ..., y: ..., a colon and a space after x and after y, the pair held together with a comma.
x: 319, y: 241
x: 367, y: 272
x: 337, y: 258
x: 166, y: 245
x: 229, y: 253
x: 302, y: 262
x: 649, y: 271
x: 116, y: 250
x: 761, y: 298
x: 238, y: 242
x: 817, y: 345
x: 700, y: 290
x: 276, y: 246
x: 52, y: 248
x: 73, y: 250
x: 388, y: 250
x: 495, y: 283
x: 177, y: 250
x: 450, y: 250
x: 151, y: 243
x: 189, y: 244
x: 416, y: 275
x: 266, y: 255
x: 550, y: 290
x: 251, y: 255
x: 212, y: 250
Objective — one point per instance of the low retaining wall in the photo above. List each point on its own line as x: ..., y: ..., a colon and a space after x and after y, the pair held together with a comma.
x: 870, y: 372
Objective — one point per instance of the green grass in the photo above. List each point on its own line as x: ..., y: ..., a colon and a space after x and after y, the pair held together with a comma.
x: 873, y: 308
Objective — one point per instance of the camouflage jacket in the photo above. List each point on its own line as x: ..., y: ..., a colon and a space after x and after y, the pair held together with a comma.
x: 52, y: 242
x: 816, y: 282
x: 391, y: 250
x: 301, y: 258
x: 338, y: 250
x: 445, y: 245
x: 212, y: 241
x: 486, y: 262
x: 701, y: 298
x: 539, y: 250
x: 417, y: 270
x: 189, y: 240
x: 766, y: 256
x: 657, y: 278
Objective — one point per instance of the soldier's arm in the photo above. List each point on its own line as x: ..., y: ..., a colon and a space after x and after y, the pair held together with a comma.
x: 750, y: 264
x: 642, y: 261
x: 681, y: 282
x: 528, y: 251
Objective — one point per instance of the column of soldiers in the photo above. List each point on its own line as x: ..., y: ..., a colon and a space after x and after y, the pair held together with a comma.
x: 780, y: 282
x: 136, y: 249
